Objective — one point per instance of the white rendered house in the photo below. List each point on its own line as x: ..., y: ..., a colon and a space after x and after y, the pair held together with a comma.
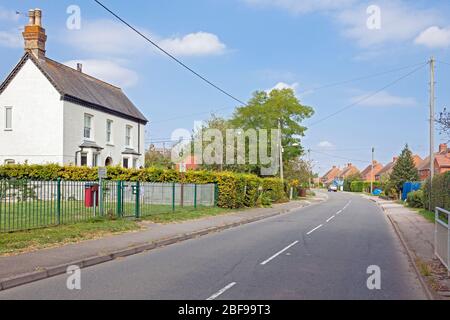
x: 51, y: 113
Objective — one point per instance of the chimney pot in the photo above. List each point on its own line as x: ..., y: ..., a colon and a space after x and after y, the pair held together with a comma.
x: 38, y: 17
x: 443, y: 148
x: 31, y: 20
x: 79, y: 67
x: 34, y: 34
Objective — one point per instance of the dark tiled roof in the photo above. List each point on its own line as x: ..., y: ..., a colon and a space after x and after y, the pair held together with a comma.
x: 90, y: 145
x: 83, y: 89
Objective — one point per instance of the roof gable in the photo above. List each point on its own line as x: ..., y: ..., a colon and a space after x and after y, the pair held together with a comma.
x: 82, y: 89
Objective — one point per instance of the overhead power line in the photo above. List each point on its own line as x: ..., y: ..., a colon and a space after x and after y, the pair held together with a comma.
x: 312, y: 89
x: 339, y: 157
x: 203, y: 78
x: 370, y: 76
x: 367, y: 97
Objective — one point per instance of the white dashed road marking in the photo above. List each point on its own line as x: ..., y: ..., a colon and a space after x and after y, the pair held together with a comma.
x: 278, y: 253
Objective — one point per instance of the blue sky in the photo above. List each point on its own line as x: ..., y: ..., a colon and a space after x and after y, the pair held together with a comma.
x: 248, y: 45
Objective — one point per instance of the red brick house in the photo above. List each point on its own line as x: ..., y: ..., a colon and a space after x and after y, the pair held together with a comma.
x: 441, y: 162
x: 387, y: 169
x: 348, y: 171
x: 366, y: 174
x: 329, y: 177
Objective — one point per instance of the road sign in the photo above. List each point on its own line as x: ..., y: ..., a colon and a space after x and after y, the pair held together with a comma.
x: 102, y: 173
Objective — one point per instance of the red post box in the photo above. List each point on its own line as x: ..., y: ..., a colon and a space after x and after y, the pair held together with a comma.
x: 90, y: 195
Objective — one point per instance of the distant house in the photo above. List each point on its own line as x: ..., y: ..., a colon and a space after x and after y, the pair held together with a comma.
x: 348, y: 171
x: 331, y: 175
x: 441, y: 163
x: 367, y: 175
x: 387, y: 169
x: 52, y: 113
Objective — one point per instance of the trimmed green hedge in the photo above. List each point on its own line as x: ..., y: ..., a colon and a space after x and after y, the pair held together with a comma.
x: 235, y: 190
x: 363, y: 186
x: 440, y: 192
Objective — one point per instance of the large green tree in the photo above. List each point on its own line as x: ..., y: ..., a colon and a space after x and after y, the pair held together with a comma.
x: 404, y: 169
x: 266, y: 110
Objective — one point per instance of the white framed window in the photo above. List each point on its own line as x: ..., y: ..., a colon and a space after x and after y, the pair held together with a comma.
x: 87, y: 126
x: 84, y: 158
x: 8, y: 118
x: 10, y: 161
x: 95, y: 157
x: 109, y: 128
x: 128, y: 137
x: 126, y: 163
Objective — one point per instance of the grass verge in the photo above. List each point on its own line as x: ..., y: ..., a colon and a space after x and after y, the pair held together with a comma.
x: 25, y: 241
x: 430, y: 216
x: 183, y: 214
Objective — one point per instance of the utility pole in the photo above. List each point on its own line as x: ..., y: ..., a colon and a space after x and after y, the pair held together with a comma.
x: 310, y: 168
x: 432, y: 119
x: 432, y: 114
x: 372, y: 175
x: 280, y: 142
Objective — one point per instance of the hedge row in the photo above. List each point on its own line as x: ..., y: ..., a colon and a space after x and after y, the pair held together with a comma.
x: 235, y: 190
x: 363, y: 186
x: 440, y: 192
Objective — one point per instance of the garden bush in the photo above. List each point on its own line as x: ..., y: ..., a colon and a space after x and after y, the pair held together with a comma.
x: 236, y: 190
x: 440, y: 192
x: 415, y: 199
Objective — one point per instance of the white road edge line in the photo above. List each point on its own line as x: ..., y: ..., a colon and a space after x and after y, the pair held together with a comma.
x: 278, y: 253
x: 331, y: 218
x: 222, y: 291
x: 315, y: 229
x: 339, y: 212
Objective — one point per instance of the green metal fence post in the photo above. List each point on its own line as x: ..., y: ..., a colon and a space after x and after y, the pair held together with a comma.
x: 119, y: 199
x: 216, y: 195
x: 58, y: 201
x: 173, y: 196
x: 195, y: 196
x: 138, y: 198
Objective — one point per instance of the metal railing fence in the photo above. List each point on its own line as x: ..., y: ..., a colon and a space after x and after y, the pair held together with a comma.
x: 442, y: 236
x: 26, y: 204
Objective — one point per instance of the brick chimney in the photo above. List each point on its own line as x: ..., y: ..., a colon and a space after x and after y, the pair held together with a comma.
x: 34, y: 34
x: 443, y: 148
x: 79, y: 67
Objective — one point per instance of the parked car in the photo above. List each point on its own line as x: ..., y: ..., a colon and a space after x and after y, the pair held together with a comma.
x: 332, y: 188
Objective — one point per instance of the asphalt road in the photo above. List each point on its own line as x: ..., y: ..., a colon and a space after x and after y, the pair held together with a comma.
x: 319, y: 252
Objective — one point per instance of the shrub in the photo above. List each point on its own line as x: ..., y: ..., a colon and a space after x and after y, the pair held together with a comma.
x: 440, y: 192
x: 415, y: 199
x: 363, y: 186
x: 236, y: 190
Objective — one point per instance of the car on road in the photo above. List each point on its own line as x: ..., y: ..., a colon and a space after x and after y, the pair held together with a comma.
x: 332, y: 188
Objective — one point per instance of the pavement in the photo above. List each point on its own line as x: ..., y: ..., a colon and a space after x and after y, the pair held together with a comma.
x: 342, y: 248
x: 417, y: 234
x: 28, y: 267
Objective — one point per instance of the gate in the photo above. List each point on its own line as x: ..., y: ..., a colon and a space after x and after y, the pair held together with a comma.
x: 442, y: 236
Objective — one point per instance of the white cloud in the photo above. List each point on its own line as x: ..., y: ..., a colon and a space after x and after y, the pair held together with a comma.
x: 385, y: 99
x: 303, y: 6
x: 399, y: 22
x: 282, y: 85
x: 107, y: 71
x: 112, y: 38
x: 194, y: 44
x: 325, y: 145
x: 434, y: 37
x: 11, y: 39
